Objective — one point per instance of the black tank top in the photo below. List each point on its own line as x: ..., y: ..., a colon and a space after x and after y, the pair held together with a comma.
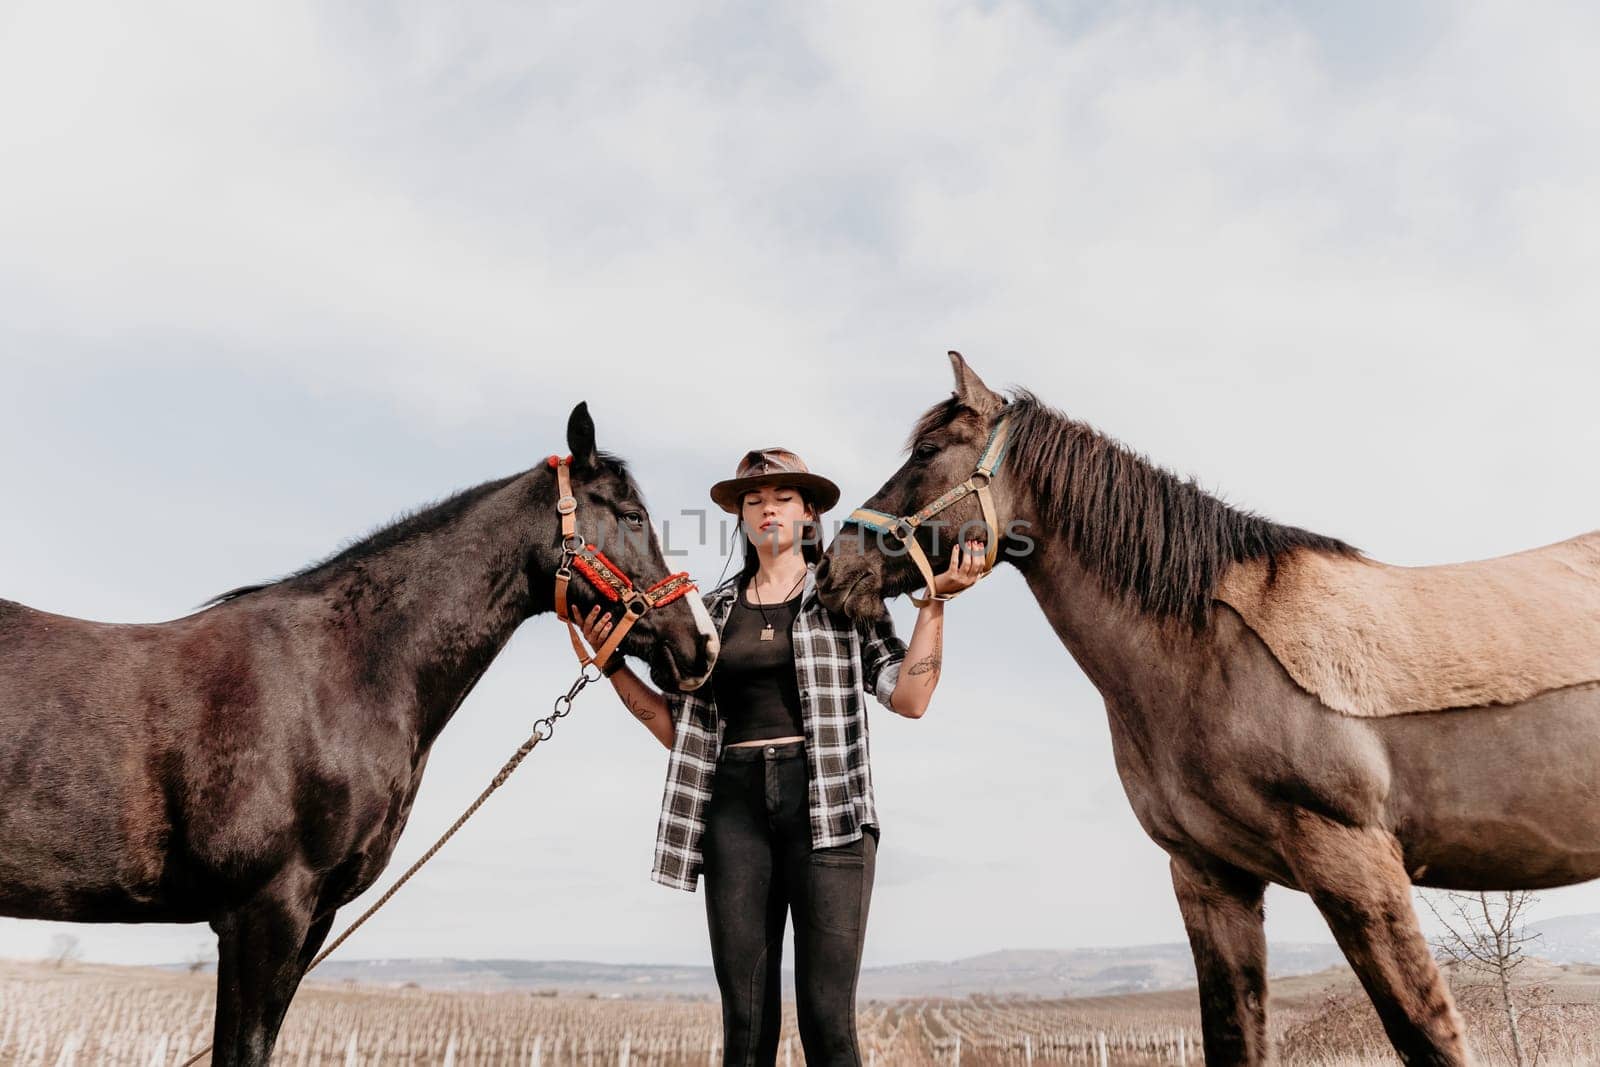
x: 754, y: 682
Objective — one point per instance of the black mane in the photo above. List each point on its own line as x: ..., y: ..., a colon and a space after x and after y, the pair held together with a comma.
x: 417, y: 522
x: 1151, y: 536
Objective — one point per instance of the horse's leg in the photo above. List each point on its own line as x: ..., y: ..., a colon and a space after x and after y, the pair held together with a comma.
x: 1222, y: 911
x: 262, y: 954
x: 1357, y: 878
x: 314, y: 939
x: 225, y: 1021
x: 271, y: 1021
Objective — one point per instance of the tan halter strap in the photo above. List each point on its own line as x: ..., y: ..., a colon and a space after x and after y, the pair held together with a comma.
x: 904, y: 527
x: 606, y: 577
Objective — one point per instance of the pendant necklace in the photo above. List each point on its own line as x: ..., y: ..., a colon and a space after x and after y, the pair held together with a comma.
x: 767, y: 632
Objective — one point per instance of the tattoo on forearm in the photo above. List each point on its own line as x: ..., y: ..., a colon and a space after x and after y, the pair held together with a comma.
x: 929, y: 665
x: 640, y: 709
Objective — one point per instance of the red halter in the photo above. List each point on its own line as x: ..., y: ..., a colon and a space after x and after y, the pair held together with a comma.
x: 607, y: 579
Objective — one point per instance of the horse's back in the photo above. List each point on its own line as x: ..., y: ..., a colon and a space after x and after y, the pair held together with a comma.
x: 92, y: 670
x: 18, y: 621
x: 1371, y: 639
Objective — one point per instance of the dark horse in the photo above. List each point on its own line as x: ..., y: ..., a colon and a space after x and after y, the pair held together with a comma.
x: 252, y: 765
x: 1240, y: 774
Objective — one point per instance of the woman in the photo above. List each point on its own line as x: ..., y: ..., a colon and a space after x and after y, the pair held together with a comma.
x: 769, y: 791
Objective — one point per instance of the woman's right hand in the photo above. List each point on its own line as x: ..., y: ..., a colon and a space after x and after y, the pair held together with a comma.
x: 647, y: 705
x: 596, y: 627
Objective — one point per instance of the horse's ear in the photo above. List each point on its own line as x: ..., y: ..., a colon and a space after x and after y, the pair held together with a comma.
x: 970, y: 389
x: 580, y: 437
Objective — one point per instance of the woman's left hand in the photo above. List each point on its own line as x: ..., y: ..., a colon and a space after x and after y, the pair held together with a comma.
x: 966, y: 567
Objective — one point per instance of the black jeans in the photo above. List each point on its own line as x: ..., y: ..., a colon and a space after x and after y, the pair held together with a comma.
x: 758, y: 864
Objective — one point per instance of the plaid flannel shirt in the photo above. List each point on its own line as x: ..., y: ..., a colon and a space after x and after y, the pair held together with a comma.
x: 834, y: 660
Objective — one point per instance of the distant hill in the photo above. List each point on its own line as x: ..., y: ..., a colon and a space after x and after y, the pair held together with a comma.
x: 1027, y: 972
x: 1081, y: 972
x: 1567, y: 939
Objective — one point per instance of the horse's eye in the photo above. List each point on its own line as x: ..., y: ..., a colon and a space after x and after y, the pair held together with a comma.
x: 926, y: 450
x: 634, y: 517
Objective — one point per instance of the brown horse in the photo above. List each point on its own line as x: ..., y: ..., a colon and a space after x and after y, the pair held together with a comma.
x: 1240, y: 773
x: 252, y: 765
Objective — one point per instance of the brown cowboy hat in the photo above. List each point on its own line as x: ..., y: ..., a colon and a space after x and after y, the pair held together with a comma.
x: 773, y: 466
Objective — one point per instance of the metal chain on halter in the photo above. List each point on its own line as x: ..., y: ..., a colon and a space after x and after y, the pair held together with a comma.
x: 572, y: 544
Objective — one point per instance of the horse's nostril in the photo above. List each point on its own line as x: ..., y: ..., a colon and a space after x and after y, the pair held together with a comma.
x: 822, y: 568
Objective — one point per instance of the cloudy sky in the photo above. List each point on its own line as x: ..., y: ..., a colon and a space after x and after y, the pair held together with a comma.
x: 271, y: 274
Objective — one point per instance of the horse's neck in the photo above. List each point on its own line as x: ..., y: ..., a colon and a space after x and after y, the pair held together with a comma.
x: 1124, y: 651
x: 423, y: 621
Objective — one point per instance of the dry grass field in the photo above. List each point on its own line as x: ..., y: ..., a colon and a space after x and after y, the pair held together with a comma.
x: 90, y: 1015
